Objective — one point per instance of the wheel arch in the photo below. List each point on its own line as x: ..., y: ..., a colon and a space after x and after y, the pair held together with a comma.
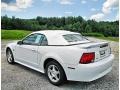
x: 8, y: 48
x: 47, y: 60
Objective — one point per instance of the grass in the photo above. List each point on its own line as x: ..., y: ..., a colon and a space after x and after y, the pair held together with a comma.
x: 19, y: 34
x: 93, y: 34
x: 116, y: 39
x: 101, y: 36
x: 14, y: 34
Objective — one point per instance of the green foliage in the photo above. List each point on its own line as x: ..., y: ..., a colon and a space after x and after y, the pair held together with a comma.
x: 88, y: 28
x: 13, y: 34
x: 76, y: 24
x: 19, y: 34
x: 110, y: 38
x: 93, y: 34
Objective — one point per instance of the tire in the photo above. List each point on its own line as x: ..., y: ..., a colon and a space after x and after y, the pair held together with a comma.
x: 9, y: 55
x: 57, y: 75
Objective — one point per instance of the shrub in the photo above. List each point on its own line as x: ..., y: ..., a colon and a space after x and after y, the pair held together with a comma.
x: 93, y: 34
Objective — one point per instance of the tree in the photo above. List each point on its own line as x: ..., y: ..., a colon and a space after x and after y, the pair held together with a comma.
x: 88, y: 28
x: 76, y: 24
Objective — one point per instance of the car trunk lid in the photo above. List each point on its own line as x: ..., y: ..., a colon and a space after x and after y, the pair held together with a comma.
x: 101, y: 49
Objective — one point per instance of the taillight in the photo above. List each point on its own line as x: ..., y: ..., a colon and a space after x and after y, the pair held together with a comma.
x: 87, y: 58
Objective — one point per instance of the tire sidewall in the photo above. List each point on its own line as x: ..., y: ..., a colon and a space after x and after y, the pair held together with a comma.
x: 62, y: 74
x: 12, y: 61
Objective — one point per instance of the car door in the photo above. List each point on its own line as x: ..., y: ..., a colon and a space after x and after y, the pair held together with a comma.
x: 27, y: 52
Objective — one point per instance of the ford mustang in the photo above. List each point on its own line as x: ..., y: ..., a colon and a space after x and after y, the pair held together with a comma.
x: 62, y: 55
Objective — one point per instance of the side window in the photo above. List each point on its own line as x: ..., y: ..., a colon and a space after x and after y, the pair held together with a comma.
x: 34, y: 39
x: 38, y: 39
x: 44, y: 41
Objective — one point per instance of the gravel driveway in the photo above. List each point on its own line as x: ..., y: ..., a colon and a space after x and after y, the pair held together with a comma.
x: 18, y: 77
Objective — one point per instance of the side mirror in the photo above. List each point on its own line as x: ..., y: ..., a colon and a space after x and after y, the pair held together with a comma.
x: 19, y: 42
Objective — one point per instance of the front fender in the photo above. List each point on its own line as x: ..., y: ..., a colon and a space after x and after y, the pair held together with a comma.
x: 11, y: 46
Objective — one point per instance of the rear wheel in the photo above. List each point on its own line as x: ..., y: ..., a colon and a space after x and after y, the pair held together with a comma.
x: 55, y: 73
x: 9, y: 56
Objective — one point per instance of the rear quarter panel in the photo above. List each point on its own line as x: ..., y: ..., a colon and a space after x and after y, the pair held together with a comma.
x: 65, y: 55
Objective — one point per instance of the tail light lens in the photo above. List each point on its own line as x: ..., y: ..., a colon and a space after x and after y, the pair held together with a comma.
x: 87, y: 58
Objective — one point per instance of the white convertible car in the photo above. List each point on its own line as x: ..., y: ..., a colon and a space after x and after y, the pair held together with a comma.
x: 62, y: 55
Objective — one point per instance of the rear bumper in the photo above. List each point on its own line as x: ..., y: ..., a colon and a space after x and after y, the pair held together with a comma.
x: 90, y: 72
